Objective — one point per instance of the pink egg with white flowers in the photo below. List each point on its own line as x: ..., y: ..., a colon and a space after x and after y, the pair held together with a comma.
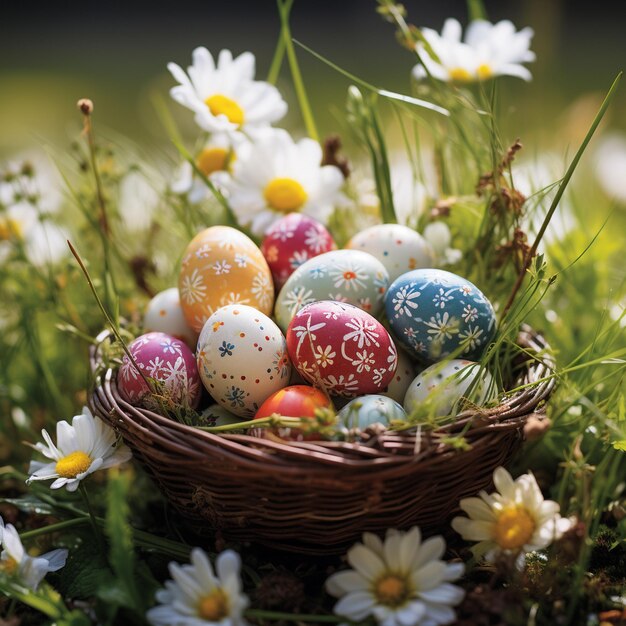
x: 291, y: 241
x: 167, y: 364
x: 341, y: 349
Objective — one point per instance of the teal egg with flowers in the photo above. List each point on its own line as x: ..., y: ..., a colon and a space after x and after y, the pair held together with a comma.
x: 436, y: 314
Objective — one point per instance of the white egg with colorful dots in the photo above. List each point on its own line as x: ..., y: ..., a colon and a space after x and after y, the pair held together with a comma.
x: 165, y: 314
x: 242, y: 358
x: 399, y: 248
x: 439, y: 389
x: 366, y: 410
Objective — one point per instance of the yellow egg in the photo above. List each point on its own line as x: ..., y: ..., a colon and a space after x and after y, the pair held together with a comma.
x: 223, y: 266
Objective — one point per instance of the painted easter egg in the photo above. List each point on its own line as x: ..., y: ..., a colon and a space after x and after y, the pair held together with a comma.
x: 402, y: 378
x: 294, y: 401
x: 350, y: 276
x: 164, y: 314
x: 341, y: 348
x: 364, y: 411
x: 169, y: 363
x: 440, y: 387
x: 216, y: 415
x: 399, y: 248
x: 436, y: 313
x: 291, y: 241
x: 223, y: 266
x: 242, y: 358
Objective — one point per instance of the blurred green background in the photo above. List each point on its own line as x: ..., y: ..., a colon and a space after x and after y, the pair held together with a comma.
x: 51, y: 54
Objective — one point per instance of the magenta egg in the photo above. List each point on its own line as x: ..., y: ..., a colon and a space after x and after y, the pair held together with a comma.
x: 341, y: 348
x: 291, y: 241
x: 167, y: 361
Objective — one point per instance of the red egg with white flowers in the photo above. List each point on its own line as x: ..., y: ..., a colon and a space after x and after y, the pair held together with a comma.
x: 291, y: 241
x: 341, y: 349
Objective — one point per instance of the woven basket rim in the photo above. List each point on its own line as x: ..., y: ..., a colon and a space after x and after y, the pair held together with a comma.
x: 510, y: 413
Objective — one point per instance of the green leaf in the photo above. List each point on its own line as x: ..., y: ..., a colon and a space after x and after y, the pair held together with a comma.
x: 85, y: 571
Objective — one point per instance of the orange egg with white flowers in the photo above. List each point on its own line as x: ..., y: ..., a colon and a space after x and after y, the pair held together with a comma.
x: 294, y: 401
x: 222, y: 266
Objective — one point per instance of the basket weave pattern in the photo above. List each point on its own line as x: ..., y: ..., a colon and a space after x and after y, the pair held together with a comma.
x: 317, y: 497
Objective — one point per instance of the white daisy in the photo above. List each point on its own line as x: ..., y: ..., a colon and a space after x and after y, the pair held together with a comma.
x: 15, y: 561
x: 197, y: 596
x: 401, y: 582
x: 81, y: 449
x: 515, y: 519
x: 213, y: 160
x: 488, y: 50
x: 279, y: 176
x: 225, y: 97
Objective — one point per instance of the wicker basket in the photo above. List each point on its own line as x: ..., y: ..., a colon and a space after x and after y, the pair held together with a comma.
x: 318, y: 497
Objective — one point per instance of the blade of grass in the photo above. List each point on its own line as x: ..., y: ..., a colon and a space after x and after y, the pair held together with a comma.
x: 284, y: 9
x: 561, y: 190
x: 381, y: 92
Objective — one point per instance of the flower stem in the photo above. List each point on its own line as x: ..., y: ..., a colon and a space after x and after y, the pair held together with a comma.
x: 92, y: 518
x: 52, y: 528
x: 284, y: 9
x: 294, y: 617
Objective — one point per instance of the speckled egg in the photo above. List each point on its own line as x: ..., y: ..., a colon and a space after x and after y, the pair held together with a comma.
x: 291, y: 241
x: 341, y: 348
x: 436, y: 313
x: 294, y: 401
x: 403, y: 377
x: 223, y: 266
x: 164, y: 314
x: 166, y: 360
x: 242, y: 358
x: 372, y: 409
x: 438, y: 389
x: 350, y: 276
x: 399, y: 248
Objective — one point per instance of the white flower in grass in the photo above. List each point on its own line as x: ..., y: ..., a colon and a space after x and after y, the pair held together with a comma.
x: 401, y: 582
x: 197, y: 596
x: 488, y: 50
x: 439, y: 237
x: 82, y: 448
x: 224, y: 96
x: 514, y: 520
x: 15, y: 562
x: 214, y: 160
x: 279, y: 176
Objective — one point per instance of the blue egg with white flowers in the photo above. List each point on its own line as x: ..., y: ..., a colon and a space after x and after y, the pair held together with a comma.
x: 436, y: 314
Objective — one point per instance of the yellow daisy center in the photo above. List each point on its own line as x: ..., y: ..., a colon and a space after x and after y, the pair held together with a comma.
x: 73, y: 464
x: 513, y: 528
x: 214, y: 607
x: 9, y: 566
x: 285, y: 194
x: 223, y: 105
x: 213, y: 160
x: 460, y: 74
x: 10, y: 229
x: 391, y: 590
x: 484, y: 71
